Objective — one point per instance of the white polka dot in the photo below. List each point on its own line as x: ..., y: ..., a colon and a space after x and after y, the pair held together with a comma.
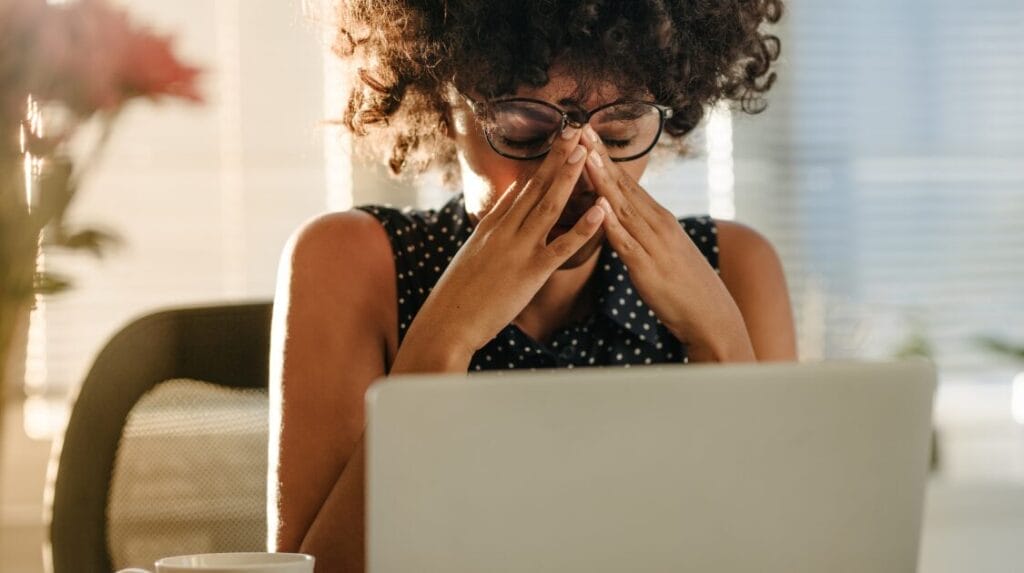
x: 637, y: 352
x: 615, y: 255
x: 622, y: 302
x: 618, y: 357
x: 618, y: 278
x: 647, y: 326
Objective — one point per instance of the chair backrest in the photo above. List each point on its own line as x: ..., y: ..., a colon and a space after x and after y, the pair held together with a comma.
x: 225, y: 346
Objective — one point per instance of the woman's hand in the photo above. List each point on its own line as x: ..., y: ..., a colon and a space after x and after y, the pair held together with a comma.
x: 502, y: 266
x: 670, y: 273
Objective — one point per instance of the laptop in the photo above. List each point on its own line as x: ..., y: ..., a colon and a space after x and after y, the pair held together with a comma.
x: 781, y: 468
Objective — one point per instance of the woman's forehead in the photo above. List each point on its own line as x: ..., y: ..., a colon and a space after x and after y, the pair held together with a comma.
x: 564, y: 89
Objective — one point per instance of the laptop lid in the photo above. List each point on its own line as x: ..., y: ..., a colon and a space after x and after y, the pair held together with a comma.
x: 767, y: 468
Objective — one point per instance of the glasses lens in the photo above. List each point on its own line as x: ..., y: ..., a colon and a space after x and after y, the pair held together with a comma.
x: 627, y: 129
x: 522, y: 129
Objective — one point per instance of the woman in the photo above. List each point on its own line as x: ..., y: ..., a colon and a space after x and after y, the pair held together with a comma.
x: 551, y: 256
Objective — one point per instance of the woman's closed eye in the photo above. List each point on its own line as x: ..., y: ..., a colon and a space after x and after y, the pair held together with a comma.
x: 616, y: 143
x: 522, y: 143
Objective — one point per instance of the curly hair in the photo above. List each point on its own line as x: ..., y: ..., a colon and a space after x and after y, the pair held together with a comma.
x: 687, y: 54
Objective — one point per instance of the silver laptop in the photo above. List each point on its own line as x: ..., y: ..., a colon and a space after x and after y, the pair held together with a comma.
x: 762, y: 468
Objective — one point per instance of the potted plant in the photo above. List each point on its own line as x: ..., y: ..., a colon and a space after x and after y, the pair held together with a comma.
x: 62, y: 67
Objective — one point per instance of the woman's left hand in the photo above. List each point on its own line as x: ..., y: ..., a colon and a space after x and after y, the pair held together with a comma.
x: 669, y: 271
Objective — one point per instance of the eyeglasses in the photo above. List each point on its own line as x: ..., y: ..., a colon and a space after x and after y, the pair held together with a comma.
x: 524, y: 128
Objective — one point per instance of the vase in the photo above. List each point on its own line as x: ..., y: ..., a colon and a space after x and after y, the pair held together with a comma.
x: 19, y: 248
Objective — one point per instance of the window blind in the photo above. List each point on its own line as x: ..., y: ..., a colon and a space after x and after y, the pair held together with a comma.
x: 889, y: 173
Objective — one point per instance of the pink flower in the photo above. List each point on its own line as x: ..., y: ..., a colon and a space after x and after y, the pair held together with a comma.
x: 87, y: 55
x: 18, y: 21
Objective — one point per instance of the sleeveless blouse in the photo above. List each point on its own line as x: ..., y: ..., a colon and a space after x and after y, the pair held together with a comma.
x: 622, y: 331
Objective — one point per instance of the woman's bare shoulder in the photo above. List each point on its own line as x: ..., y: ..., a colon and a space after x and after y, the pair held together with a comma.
x: 340, y: 263
x: 335, y: 242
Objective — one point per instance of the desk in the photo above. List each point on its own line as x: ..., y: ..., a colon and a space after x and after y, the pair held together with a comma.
x: 973, y: 527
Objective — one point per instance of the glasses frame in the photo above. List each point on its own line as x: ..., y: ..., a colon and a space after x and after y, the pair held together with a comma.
x: 480, y: 108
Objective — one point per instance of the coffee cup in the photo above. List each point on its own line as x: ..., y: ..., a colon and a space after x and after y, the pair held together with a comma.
x: 233, y: 563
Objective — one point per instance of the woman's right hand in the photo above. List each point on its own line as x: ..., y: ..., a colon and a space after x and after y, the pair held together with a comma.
x: 501, y: 267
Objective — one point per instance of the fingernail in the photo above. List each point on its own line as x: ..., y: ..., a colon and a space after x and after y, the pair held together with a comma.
x: 577, y: 154
x: 590, y: 133
x: 569, y: 132
x: 595, y: 159
x: 604, y: 204
x: 594, y: 216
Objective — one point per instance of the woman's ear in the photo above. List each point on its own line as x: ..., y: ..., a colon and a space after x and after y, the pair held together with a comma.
x: 449, y: 101
x: 447, y: 122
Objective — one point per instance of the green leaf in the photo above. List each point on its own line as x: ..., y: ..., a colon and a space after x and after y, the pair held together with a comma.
x: 95, y: 241
x: 1002, y: 347
x: 47, y: 283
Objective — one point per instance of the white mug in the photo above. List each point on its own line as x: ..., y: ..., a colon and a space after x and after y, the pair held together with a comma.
x: 233, y: 563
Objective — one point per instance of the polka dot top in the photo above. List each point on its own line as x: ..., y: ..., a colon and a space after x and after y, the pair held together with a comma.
x: 622, y: 331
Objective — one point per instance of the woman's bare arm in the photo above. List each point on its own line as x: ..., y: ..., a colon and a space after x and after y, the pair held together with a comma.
x: 334, y: 303
x: 752, y: 272
x: 335, y: 325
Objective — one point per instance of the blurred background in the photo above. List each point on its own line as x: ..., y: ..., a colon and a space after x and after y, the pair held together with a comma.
x: 888, y: 171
